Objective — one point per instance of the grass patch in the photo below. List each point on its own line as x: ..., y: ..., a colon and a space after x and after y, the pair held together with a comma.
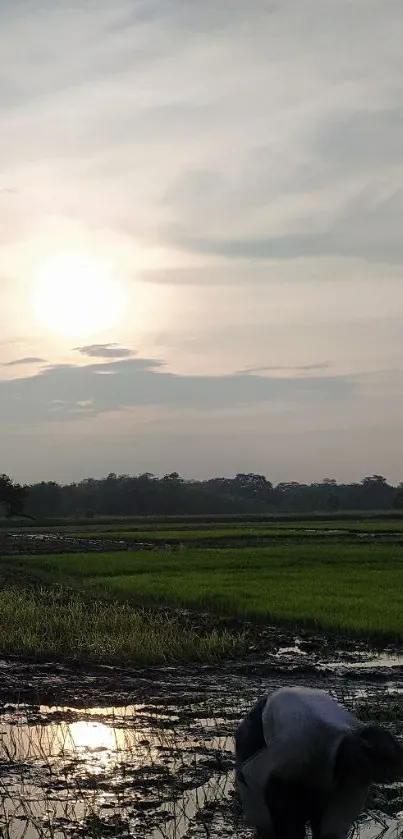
x: 349, y: 588
x: 46, y: 625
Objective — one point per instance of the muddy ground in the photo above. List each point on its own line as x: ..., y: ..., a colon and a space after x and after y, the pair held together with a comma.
x: 149, y: 752
x: 56, y: 542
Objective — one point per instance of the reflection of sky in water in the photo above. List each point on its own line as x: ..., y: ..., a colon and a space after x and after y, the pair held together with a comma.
x: 160, y: 772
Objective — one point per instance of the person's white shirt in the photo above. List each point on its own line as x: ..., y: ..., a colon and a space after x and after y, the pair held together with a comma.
x: 302, y: 730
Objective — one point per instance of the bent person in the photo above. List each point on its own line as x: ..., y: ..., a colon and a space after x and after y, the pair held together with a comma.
x: 303, y: 759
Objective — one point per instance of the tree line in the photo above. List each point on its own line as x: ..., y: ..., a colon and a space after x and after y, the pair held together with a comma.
x: 148, y: 495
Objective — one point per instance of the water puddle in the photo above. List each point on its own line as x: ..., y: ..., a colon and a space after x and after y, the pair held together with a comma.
x: 291, y: 648
x: 382, y: 664
x: 376, y: 660
x: 378, y: 663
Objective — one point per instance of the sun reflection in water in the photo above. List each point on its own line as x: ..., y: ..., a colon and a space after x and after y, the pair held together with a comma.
x: 94, y: 742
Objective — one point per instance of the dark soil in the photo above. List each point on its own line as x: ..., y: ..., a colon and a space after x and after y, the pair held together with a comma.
x: 56, y: 542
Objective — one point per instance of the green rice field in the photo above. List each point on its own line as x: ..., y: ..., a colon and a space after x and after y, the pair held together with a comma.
x: 349, y: 587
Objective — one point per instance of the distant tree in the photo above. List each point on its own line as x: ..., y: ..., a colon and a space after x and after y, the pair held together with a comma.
x: 45, y: 500
x: 376, y: 493
x: 398, y: 498
x: 13, y: 498
x: 333, y: 503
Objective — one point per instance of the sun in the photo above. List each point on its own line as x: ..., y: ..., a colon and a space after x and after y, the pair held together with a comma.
x: 76, y: 295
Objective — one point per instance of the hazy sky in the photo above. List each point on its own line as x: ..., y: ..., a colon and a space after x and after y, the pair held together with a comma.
x: 201, y: 209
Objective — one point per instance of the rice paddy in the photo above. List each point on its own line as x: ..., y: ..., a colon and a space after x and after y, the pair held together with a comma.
x: 312, y: 579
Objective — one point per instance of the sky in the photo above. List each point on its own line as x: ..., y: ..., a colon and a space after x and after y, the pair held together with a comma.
x: 201, y: 209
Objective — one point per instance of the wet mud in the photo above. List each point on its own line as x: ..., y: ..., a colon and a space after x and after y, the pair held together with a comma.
x: 149, y: 752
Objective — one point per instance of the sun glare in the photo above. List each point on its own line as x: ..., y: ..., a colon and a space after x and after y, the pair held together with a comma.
x: 96, y: 743
x: 92, y: 736
x: 77, y: 296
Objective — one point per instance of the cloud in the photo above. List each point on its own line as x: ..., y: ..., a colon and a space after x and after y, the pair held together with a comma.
x: 366, y: 229
x: 298, y: 368
x: 27, y: 360
x: 110, y: 350
x: 123, y: 102
x: 362, y: 138
x: 194, y: 149
x: 366, y: 226
x: 67, y: 391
